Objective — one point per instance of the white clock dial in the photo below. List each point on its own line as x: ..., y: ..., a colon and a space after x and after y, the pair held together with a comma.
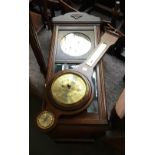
x: 75, y: 44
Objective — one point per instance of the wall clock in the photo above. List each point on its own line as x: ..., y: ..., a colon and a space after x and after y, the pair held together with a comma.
x: 75, y: 37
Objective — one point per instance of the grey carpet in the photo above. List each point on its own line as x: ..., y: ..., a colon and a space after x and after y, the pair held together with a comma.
x: 35, y: 77
x: 114, y: 84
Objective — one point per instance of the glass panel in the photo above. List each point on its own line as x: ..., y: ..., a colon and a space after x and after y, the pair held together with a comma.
x: 93, y: 108
x: 75, y: 44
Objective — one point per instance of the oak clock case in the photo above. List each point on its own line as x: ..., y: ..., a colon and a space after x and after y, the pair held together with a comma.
x: 87, y: 27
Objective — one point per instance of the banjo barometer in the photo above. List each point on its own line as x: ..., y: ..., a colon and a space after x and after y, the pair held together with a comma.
x: 74, y: 77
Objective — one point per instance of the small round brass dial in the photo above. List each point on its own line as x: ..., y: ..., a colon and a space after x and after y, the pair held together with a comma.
x: 69, y: 89
x: 45, y: 120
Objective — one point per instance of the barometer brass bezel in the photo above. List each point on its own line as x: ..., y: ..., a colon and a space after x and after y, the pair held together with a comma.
x: 77, y: 105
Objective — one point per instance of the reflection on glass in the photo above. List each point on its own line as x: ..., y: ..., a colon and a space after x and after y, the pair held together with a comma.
x: 93, y: 108
x: 75, y: 44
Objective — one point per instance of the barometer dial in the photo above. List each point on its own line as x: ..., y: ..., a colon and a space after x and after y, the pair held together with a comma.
x: 69, y: 89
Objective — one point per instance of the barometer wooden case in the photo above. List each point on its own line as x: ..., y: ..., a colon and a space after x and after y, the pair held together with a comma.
x: 74, y: 37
